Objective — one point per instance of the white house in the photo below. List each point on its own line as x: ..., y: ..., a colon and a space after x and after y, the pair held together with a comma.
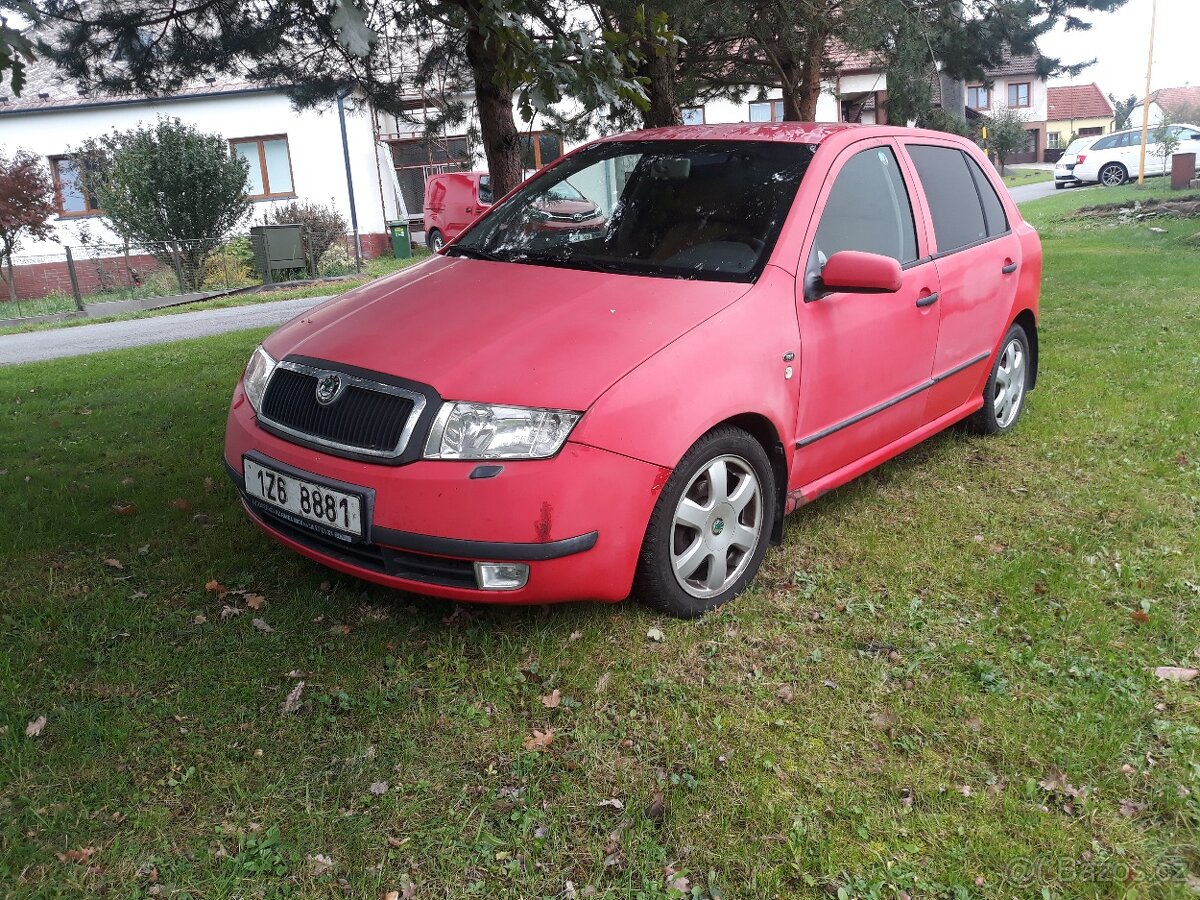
x: 325, y: 155
x: 1171, y: 105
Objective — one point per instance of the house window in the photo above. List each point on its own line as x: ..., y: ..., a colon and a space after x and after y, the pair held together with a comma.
x: 979, y: 96
x: 1088, y: 132
x: 72, y: 198
x: 1018, y: 94
x: 766, y: 111
x: 1054, y: 140
x: 540, y: 148
x: 693, y: 115
x: 270, y: 166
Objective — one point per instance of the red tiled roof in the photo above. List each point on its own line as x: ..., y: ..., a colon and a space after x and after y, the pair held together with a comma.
x: 1172, y: 99
x: 1077, y: 101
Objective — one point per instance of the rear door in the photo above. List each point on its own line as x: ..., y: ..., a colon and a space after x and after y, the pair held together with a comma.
x: 977, y: 257
x: 863, y: 357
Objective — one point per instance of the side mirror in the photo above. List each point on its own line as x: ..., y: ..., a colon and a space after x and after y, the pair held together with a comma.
x: 857, y: 272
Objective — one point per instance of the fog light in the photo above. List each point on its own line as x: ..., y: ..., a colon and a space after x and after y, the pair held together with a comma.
x: 501, y: 576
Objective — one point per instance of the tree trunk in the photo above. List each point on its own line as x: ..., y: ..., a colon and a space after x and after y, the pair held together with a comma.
x: 802, y: 80
x: 12, y: 281
x: 501, y: 144
x: 663, y: 111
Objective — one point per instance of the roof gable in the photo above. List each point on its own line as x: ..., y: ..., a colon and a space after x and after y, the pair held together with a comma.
x: 1077, y: 101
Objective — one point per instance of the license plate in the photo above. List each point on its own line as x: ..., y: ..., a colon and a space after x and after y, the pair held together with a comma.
x: 314, y: 504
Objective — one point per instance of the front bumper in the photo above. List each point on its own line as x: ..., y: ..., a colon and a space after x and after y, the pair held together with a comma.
x: 576, y: 520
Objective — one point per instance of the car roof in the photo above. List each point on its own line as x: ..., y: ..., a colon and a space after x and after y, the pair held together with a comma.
x: 783, y: 132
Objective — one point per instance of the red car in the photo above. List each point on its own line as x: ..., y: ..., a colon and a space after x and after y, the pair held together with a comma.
x: 537, y: 415
x: 454, y: 200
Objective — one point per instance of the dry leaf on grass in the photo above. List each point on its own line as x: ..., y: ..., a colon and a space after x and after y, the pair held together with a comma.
x: 114, y: 564
x: 319, y: 863
x: 34, y: 728
x: 884, y: 719
x: 292, y: 703
x: 553, y: 699
x: 614, y: 803
x: 539, y: 740
x: 209, y: 484
x: 1130, y: 808
x: 656, y: 635
x: 228, y: 612
x: 124, y: 509
x: 378, y: 788
x: 261, y: 625
x: 255, y: 601
x: 215, y: 587
x: 77, y: 856
x: 200, y: 619
x: 1176, y: 673
x: 180, y: 504
x: 575, y: 635
x: 340, y: 629
x: 656, y: 809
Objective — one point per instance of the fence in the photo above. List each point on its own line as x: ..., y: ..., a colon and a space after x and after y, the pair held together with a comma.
x: 96, y: 279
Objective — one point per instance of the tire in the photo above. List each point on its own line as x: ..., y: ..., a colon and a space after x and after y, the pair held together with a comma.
x: 1007, y: 386
x: 1112, y: 175
x: 434, y: 240
x: 696, y: 523
x: 1058, y: 185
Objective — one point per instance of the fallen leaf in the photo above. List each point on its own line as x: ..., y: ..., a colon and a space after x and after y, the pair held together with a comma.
x: 228, y: 612
x: 378, y: 788
x: 1176, y: 673
x: 215, y: 587
x: 785, y: 693
x: 552, y: 699
x: 964, y: 789
x: 319, y: 863
x: 1056, y: 783
x: 614, y: 803
x: 656, y: 809
x: 325, y: 585
x: 340, y: 629
x: 261, y: 625
x: 539, y: 740
x: 124, y: 509
x: 1181, y: 460
x: 200, y: 619
x: 114, y: 564
x: 1140, y: 615
x: 656, y: 635
x: 180, y: 504
x: 575, y: 635
x: 1130, y: 808
x: 34, y: 728
x: 138, y: 595
x: 255, y: 601
x: 602, y: 682
x: 77, y: 856
x: 209, y: 484
x: 292, y: 703
x: 884, y: 719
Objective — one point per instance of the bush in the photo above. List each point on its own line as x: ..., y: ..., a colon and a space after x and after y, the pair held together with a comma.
x: 322, y: 224
x: 335, y: 261
x: 230, y: 265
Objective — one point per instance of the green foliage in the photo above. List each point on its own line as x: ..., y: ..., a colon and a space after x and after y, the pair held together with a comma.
x: 322, y: 224
x: 230, y: 265
x: 940, y: 120
x: 335, y: 261
x: 1122, y: 110
x: 16, y: 48
x: 260, y: 854
x: 1006, y: 133
x: 1166, y: 143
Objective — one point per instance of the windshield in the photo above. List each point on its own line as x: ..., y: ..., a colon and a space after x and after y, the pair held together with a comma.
x: 1076, y: 146
x: 682, y: 209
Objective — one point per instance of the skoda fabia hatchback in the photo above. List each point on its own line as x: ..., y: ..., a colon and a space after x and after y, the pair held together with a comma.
x: 543, y: 412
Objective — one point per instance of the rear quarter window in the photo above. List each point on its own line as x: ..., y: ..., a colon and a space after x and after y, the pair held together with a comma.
x: 993, y: 208
x: 954, y: 204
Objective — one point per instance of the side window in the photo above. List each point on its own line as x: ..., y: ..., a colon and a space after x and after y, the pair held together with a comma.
x: 485, y: 189
x: 953, y: 201
x: 1106, y: 143
x: 993, y: 209
x: 868, y: 209
x: 1131, y: 139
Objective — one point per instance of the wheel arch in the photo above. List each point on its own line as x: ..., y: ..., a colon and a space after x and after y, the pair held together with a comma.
x: 1026, y: 319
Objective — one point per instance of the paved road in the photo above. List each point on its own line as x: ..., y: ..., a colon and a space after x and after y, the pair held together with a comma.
x: 59, y: 342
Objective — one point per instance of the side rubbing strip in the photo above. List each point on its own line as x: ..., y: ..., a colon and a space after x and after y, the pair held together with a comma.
x: 888, y: 404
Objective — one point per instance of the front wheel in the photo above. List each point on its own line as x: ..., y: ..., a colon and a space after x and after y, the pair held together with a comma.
x: 435, y: 240
x: 709, y: 531
x: 1007, y: 386
x: 1113, y: 175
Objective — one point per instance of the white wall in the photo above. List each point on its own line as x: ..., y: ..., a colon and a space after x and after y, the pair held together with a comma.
x: 314, y: 141
x: 724, y: 112
x: 1038, y: 98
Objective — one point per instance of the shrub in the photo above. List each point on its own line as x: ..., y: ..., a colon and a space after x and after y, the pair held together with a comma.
x: 335, y: 261
x: 232, y: 264
x: 322, y: 224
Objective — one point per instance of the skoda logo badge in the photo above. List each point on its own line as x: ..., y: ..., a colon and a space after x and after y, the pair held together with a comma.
x: 329, y: 387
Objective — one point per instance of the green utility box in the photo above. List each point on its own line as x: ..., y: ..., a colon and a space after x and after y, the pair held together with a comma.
x: 277, y: 247
x: 401, y: 241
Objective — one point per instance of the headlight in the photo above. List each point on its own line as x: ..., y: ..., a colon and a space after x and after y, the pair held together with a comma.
x: 482, y: 431
x: 258, y: 373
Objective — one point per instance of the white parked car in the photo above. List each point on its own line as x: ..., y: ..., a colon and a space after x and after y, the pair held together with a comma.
x: 1113, y: 159
x: 1064, y: 169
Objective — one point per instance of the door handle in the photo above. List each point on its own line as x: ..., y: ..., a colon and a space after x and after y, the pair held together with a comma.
x: 1009, y: 268
x: 927, y: 300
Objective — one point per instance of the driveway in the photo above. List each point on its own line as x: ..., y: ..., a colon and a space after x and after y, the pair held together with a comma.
x: 55, y: 343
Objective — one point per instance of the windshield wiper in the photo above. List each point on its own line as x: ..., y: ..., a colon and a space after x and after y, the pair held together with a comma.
x: 590, y: 263
x: 475, y: 253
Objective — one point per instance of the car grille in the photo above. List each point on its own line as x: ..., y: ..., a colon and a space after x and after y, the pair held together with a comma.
x: 367, y: 417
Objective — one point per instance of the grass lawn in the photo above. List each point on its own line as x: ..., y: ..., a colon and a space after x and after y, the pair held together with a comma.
x: 939, y: 686
x: 372, y: 269
x: 1017, y: 177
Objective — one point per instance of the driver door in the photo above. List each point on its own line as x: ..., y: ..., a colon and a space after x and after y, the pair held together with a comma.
x: 865, y: 359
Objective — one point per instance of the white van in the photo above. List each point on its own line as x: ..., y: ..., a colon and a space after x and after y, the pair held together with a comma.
x: 1114, y: 158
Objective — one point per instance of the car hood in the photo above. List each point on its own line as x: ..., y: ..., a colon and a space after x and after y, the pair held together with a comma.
x: 499, y: 332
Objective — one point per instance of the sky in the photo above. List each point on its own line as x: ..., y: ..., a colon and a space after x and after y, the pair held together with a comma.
x: 1120, y: 42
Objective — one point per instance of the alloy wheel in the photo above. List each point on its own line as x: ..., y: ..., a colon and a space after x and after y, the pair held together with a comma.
x: 1010, y: 383
x: 1113, y: 176
x: 717, y: 525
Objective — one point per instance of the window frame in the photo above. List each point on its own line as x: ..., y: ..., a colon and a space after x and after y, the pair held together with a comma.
x: 987, y: 92
x: 1028, y: 85
x: 683, y: 110
x: 771, y: 103
x: 1054, y: 140
x: 56, y: 179
x: 261, y: 140
x: 535, y: 148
